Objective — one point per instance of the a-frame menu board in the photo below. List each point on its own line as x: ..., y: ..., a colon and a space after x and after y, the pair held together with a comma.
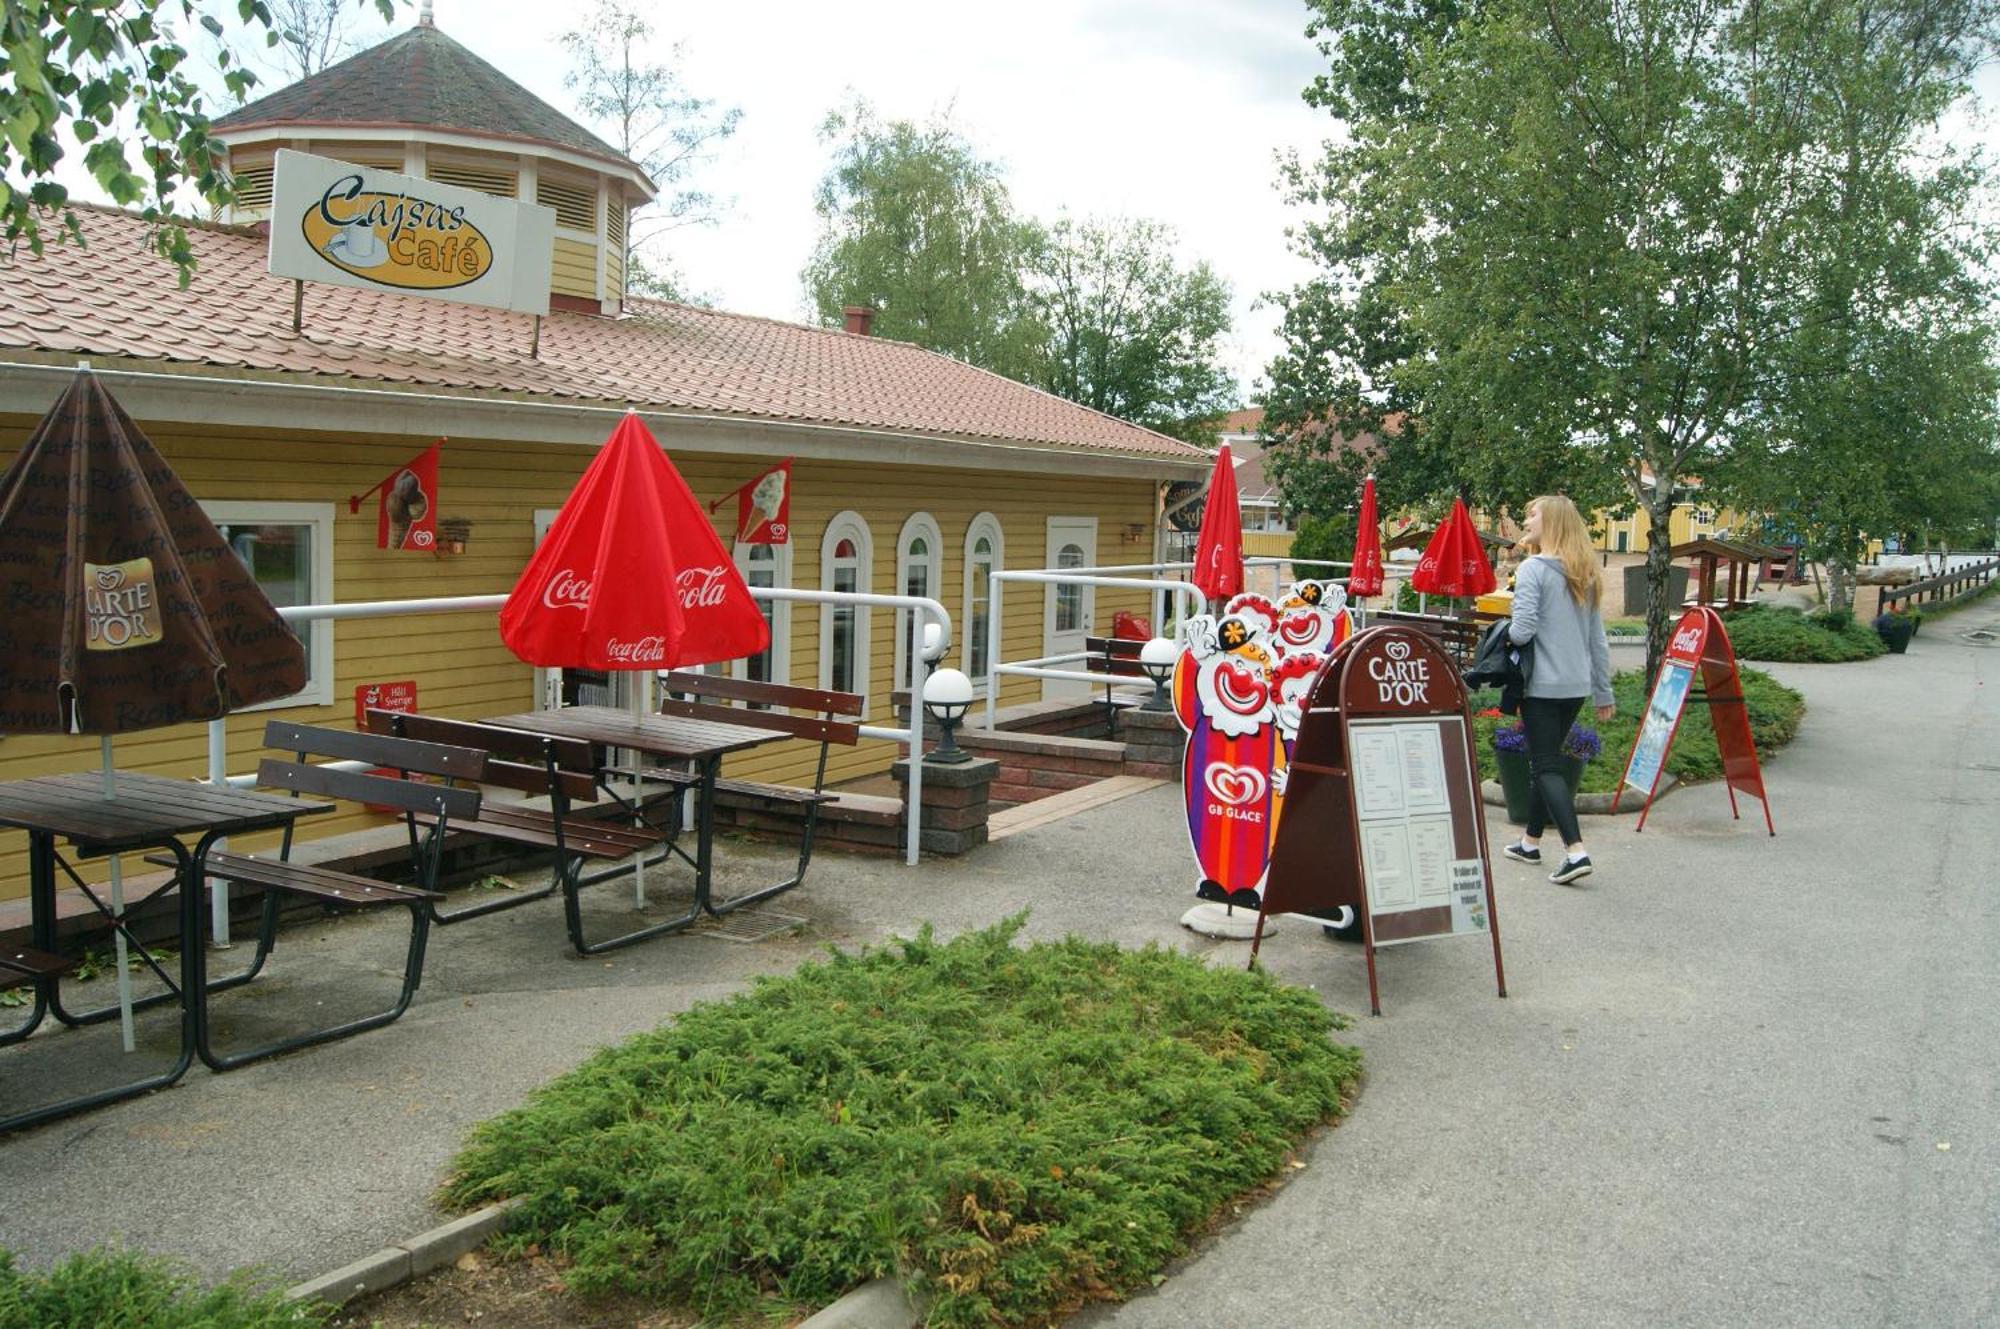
x: 1382, y: 807
x: 1699, y: 643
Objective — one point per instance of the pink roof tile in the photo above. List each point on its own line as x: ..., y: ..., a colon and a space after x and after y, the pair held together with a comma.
x: 117, y: 299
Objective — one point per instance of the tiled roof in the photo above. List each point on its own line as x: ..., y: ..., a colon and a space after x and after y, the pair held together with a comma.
x: 422, y: 78
x: 117, y: 299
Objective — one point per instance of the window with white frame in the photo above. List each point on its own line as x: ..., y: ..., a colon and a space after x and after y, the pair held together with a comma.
x: 984, y: 555
x: 919, y: 570
x: 288, y: 550
x: 768, y: 566
x: 846, y: 555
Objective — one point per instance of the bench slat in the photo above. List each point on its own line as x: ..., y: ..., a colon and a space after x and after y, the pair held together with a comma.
x: 515, y: 757
x: 825, y: 731
x: 458, y: 763
x: 775, y: 694
x: 404, y: 795
x: 321, y: 883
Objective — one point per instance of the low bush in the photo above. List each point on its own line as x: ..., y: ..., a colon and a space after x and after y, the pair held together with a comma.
x: 1775, y: 713
x: 1793, y: 637
x: 97, y: 1289
x: 1014, y: 1130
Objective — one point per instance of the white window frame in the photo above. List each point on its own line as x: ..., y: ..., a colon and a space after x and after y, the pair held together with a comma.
x: 920, y: 524
x: 318, y: 690
x: 781, y: 610
x: 988, y: 525
x: 851, y: 525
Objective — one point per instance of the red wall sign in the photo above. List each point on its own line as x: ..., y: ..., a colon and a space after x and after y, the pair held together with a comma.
x: 401, y: 697
x: 1699, y: 644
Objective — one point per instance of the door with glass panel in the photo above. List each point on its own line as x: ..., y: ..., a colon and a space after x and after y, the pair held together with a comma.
x: 1067, y: 609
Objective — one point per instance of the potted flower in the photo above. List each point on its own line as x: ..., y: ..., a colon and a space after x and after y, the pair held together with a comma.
x: 1510, y: 755
x: 1895, y: 628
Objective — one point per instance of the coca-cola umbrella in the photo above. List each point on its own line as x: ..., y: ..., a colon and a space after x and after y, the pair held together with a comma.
x: 631, y: 576
x: 1218, y: 550
x: 1365, y: 575
x: 1454, y: 563
x: 126, y: 609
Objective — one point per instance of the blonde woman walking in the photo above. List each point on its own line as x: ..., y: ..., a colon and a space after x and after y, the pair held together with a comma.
x: 1556, y: 594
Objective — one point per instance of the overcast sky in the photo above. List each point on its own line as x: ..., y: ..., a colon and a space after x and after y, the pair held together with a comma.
x: 1167, y: 109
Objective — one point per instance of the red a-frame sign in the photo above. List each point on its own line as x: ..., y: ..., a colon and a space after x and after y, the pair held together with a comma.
x: 1699, y: 643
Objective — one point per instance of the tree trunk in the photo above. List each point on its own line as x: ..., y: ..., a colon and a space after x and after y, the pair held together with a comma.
x: 1660, y: 612
x: 1839, y: 583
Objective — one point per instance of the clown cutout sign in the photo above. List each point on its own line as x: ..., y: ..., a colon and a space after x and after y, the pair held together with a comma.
x: 1239, y: 687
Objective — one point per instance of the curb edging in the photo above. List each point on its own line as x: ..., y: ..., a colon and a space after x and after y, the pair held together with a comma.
x: 1588, y: 805
x: 394, y: 1265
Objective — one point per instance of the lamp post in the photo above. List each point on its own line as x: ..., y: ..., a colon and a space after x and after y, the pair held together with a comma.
x: 1156, y: 661
x: 947, y: 697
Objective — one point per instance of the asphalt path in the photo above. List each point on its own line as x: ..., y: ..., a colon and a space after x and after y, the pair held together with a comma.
x: 1737, y: 1080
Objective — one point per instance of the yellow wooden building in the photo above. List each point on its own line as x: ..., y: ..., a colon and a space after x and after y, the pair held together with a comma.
x: 913, y: 473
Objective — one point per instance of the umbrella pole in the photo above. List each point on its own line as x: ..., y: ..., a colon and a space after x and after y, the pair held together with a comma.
x: 118, y: 908
x: 638, y: 696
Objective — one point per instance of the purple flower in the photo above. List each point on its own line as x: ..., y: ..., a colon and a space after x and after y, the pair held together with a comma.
x: 1581, y: 742
x: 1513, y: 738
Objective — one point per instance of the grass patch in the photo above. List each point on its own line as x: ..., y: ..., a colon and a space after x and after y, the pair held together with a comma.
x: 105, y: 1287
x: 1015, y: 1130
x: 1775, y: 713
x: 1786, y: 634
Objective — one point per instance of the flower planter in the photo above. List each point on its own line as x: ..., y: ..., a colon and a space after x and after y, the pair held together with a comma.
x: 1516, y: 783
x: 1895, y: 630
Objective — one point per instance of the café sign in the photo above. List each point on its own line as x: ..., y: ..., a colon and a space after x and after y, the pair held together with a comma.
x: 333, y: 221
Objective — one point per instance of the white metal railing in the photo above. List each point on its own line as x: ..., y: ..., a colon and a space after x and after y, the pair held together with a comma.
x: 923, y: 609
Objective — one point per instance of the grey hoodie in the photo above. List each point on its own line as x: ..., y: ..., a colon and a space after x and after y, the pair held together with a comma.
x: 1572, y: 659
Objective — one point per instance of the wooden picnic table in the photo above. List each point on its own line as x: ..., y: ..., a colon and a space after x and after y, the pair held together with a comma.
x: 146, y: 812
x: 704, y: 743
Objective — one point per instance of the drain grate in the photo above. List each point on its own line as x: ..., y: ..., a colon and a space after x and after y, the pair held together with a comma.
x: 749, y: 925
x: 1980, y: 636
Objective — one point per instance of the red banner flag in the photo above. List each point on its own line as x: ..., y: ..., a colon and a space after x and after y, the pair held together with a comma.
x: 406, y: 515
x: 763, y: 507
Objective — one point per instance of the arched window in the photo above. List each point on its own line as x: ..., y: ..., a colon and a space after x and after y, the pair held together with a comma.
x: 769, y: 565
x: 846, y: 556
x: 919, y: 571
x: 984, y: 555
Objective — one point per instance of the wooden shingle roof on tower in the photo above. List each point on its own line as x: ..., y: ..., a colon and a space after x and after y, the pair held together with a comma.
x: 421, y: 79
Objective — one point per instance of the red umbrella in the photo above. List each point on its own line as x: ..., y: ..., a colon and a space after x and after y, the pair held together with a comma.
x: 1454, y: 563
x: 1218, y: 553
x: 1366, y: 575
x: 631, y: 575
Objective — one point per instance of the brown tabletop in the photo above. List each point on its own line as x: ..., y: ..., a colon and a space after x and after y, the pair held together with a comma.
x: 657, y: 735
x: 144, y: 811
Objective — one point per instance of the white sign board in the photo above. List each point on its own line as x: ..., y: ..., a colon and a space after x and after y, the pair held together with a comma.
x: 333, y: 221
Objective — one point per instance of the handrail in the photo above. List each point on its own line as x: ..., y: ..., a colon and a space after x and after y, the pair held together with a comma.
x: 923, y: 608
x: 1058, y: 577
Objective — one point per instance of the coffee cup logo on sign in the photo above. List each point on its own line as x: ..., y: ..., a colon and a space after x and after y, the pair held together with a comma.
x: 1400, y: 680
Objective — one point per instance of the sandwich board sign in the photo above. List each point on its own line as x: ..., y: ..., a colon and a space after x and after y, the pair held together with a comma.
x: 1382, y: 803
x: 1699, y: 644
x: 333, y: 221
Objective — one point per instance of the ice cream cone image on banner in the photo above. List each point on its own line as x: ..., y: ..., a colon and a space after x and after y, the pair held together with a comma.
x: 767, y: 500
x: 763, y: 507
x: 407, y: 504
x: 406, y: 513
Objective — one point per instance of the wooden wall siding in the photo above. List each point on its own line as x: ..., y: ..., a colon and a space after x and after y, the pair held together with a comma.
x: 574, y: 271
x: 614, y: 270
x: 459, y: 664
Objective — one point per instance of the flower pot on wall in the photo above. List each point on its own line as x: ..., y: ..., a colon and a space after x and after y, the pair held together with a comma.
x: 1517, y: 784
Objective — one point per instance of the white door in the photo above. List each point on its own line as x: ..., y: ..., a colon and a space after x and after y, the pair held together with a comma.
x: 1067, y: 610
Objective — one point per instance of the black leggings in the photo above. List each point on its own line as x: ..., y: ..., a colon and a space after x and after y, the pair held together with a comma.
x: 1547, y: 720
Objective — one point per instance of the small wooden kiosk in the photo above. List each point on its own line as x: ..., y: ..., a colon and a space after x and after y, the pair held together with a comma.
x: 1710, y: 555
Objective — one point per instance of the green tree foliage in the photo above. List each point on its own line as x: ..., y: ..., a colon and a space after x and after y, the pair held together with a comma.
x: 114, y: 78
x: 653, y: 119
x: 919, y: 227
x: 1130, y: 331
x: 1565, y: 237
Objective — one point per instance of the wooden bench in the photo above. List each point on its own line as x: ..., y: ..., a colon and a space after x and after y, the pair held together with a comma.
x: 562, y: 770
x: 698, y: 696
x: 1120, y: 656
x: 341, y: 890
x: 1459, y: 637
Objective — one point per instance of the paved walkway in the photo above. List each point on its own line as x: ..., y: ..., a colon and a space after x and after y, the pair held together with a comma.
x: 1720, y: 1092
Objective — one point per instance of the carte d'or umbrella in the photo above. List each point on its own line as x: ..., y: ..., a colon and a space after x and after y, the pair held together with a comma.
x: 121, y: 606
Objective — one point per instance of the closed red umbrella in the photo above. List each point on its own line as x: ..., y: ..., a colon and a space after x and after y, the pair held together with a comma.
x: 1365, y: 578
x: 631, y: 575
x: 1454, y: 563
x: 1218, y: 552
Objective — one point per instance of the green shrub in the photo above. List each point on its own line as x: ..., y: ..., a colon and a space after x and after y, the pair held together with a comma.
x: 105, y: 1289
x: 1775, y: 713
x: 1014, y: 1130
x: 1788, y: 635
